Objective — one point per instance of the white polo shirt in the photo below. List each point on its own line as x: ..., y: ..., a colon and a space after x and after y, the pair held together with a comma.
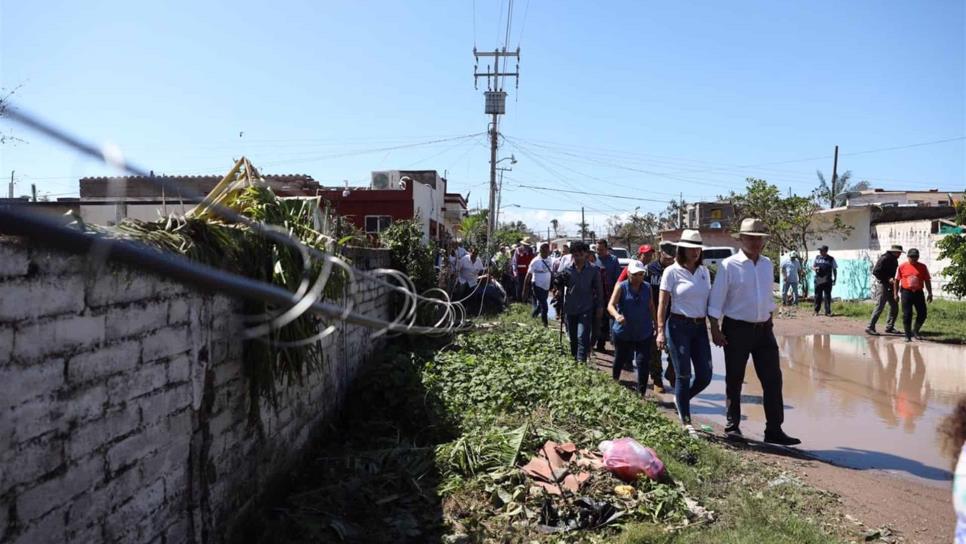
x: 469, y: 271
x: 689, y: 292
x: 743, y: 289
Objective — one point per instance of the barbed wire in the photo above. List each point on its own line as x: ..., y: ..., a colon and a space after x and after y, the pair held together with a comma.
x: 307, y: 298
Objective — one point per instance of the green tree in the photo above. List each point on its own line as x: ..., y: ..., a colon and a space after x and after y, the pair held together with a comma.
x: 637, y: 229
x: 953, y: 247
x: 409, y: 254
x: 473, y: 228
x: 792, y: 221
x: 838, y: 190
x: 672, y: 216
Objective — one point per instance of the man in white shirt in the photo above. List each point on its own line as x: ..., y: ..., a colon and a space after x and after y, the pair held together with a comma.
x: 469, y: 271
x: 741, y: 298
x: 539, y: 275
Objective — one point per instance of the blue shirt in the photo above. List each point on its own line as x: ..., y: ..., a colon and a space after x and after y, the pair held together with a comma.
x: 636, y: 309
x: 583, y: 288
x: 792, y: 268
x: 612, y: 269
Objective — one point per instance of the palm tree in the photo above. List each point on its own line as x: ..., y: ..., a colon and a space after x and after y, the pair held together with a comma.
x: 838, y: 191
x: 555, y: 225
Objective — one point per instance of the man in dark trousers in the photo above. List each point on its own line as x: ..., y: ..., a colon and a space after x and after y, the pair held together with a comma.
x: 825, y: 274
x: 583, y: 287
x: 611, y: 268
x: 652, y: 276
x: 911, y: 277
x: 741, y: 299
x: 884, y: 272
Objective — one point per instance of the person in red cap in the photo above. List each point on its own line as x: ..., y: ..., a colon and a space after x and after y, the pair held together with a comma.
x: 645, y: 254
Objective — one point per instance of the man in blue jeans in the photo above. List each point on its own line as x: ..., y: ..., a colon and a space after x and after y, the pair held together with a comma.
x: 539, y: 276
x: 582, y: 287
x: 611, y: 267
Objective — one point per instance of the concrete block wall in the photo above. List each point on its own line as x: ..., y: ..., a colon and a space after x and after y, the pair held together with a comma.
x: 124, y: 409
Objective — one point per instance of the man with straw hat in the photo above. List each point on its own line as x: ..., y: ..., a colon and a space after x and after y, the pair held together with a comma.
x: 884, y: 272
x: 740, y: 309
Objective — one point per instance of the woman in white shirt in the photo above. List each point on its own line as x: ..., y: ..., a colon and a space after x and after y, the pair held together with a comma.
x: 685, y: 288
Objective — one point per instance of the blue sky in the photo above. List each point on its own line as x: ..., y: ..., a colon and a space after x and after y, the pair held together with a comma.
x: 641, y: 99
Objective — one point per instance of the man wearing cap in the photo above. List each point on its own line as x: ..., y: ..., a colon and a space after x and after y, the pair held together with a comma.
x: 884, y: 272
x: 911, y: 277
x: 645, y: 254
x: 826, y: 271
x: 740, y: 309
x: 791, y: 270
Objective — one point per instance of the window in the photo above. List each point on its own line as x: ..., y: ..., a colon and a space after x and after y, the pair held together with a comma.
x: 716, y: 214
x: 378, y: 223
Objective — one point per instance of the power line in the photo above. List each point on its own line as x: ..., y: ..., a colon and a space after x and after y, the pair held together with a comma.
x: 526, y: 11
x: 605, y: 195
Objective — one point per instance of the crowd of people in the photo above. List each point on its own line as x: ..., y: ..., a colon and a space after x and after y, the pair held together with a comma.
x: 596, y: 300
x: 667, y: 302
x: 907, y: 284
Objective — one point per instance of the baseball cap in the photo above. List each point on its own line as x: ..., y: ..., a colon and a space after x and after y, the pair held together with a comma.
x: 635, y: 267
x: 646, y: 248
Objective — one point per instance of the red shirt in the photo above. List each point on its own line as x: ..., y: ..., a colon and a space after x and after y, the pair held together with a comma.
x: 912, y: 276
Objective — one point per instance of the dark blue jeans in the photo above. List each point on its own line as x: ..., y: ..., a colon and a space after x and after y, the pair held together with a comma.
x: 540, y: 303
x: 639, y: 351
x: 578, y: 328
x: 688, y: 346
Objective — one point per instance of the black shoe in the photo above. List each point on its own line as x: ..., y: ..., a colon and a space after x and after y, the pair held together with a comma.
x: 734, y: 432
x: 918, y: 336
x: 870, y: 331
x: 779, y: 437
x: 892, y: 330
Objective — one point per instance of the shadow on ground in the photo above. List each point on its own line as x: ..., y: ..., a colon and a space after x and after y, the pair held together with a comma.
x: 372, y: 477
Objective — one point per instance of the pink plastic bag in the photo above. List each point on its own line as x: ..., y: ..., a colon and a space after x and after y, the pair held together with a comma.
x: 627, y: 459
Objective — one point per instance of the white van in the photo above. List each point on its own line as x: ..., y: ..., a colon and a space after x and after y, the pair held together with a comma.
x: 714, y: 255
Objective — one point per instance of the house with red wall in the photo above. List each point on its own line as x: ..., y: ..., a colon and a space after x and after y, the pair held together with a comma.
x: 398, y: 195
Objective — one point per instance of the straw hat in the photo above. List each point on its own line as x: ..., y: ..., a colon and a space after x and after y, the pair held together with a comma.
x: 690, y: 238
x: 752, y: 227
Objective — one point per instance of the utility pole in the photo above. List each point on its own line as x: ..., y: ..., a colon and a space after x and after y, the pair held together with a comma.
x: 10, y: 189
x: 681, y: 212
x: 583, y: 224
x: 835, y: 176
x: 495, y: 107
x: 33, y: 192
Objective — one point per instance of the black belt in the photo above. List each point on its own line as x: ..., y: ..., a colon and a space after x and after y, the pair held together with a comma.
x: 695, y: 320
x: 750, y: 323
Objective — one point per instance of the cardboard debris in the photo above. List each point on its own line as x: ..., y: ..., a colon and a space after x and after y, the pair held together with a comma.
x: 551, y: 467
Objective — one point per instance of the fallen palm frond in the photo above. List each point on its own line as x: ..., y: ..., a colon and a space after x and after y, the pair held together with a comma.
x: 285, y: 354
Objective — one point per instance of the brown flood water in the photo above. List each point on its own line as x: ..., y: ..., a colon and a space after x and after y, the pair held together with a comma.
x: 861, y: 402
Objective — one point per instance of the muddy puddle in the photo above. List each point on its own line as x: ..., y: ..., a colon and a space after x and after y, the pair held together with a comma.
x: 861, y: 402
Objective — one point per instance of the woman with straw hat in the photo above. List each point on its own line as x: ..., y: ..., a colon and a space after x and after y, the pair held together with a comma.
x: 685, y: 287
